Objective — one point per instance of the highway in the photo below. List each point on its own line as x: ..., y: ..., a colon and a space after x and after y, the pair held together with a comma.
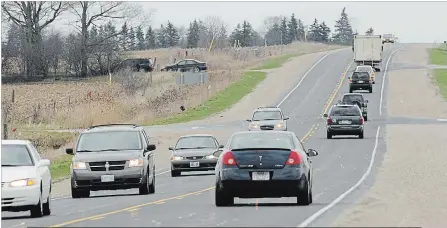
x: 189, y: 200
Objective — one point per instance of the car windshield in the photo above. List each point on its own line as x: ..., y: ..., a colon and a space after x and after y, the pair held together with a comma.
x: 195, y: 142
x: 360, y: 76
x: 345, y: 111
x: 352, y: 98
x: 387, y: 36
x: 261, y: 140
x: 267, y: 115
x: 16, y: 155
x: 109, y: 141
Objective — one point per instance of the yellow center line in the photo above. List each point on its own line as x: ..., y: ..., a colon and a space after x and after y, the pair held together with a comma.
x: 127, y: 209
x: 98, y: 218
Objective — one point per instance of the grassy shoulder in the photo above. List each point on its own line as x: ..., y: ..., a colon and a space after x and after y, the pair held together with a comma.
x: 438, y: 56
x: 223, y: 100
x: 441, y: 81
x: 275, y: 62
x: 60, y: 167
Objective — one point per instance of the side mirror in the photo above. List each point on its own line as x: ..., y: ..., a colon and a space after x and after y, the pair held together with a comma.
x: 366, y: 101
x: 217, y: 153
x: 44, y: 162
x: 171, y: 148
x: 151, y: 147
x: 286, y: 118
x: 248, y: 120
x: 221, y: 146
x: 69, y: 151
x: 312, y: 153
x: 325, y: 115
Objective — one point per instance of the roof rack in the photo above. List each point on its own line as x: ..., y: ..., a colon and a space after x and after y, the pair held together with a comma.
x: 268, y: 107
x: 111, y: 125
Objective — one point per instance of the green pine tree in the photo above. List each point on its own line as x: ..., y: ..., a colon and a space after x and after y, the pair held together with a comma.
x: 343, y: 30
x: 283, y: 29
x: 150, y: 38
x: 292, y: 29
x: 139, y: 35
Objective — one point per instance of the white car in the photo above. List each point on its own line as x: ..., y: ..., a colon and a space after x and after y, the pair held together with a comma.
x: 26, y: 179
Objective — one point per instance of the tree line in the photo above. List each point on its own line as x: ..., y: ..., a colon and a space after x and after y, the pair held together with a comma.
x: 97, y: 44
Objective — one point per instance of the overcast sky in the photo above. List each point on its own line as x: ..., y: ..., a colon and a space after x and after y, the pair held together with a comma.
x: 410, y: 21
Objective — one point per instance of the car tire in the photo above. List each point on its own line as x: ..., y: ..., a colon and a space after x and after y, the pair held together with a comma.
x: 144, y: 188
x: 222, y: 198
x: 175, y: 173
x: 152, y: 186
x: 36, y: 211
x: 77, y: 193
x: 47, y: 205
x: 351, y: 90
x: 196, y: 69
x: 370, y: 89
x: 365, y: 118
x: 329, y: 135
x: 361, y: 135
x: 304, y: 195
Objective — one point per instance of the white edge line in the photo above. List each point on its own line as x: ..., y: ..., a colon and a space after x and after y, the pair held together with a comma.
x: 304, y: 76
x: 342, y: 196
x: 66, y: 197
x: 442, y: 120
x: 384, y: 80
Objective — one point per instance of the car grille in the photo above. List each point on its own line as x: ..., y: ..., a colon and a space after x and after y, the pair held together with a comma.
x: 112, y: 165
x: 267, y: 127
x: 195, y: 157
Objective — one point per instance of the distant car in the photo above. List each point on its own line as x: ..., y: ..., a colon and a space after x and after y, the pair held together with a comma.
x: 360, y: 81
x: 267, y: 118
x: 26, y: 179
x: 264, y: 164
x: 368, y: 69
x: 344, y: 120
x: 112, y: 157
x: 388, y: 38
x: 356, y: 99
x: 137, y: 64
x: 194, y: 153
x: 187, y: 65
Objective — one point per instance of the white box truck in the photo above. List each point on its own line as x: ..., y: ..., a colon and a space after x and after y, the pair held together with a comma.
x: 368, y: 51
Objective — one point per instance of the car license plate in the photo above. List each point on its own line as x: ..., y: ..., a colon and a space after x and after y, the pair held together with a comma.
x: 107, y: 178
x: 194, y: 164
x: 259, y: 176
x: 345, y: 122
x: 360, y: 81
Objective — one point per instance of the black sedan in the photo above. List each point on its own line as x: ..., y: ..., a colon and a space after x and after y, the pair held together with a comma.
x: 194, y: 153
x: 264, y: 164
x: 187, y: 65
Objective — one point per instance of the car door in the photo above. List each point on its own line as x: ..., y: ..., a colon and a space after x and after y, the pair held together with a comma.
x: 42, y: 171
x: 180, y: 65
x: 149, y: 155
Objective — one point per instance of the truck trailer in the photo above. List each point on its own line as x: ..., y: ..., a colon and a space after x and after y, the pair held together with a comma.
x: 368, y: 50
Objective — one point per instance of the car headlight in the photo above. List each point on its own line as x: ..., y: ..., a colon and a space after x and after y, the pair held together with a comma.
x: 79, y: 165
x: 22, y: 183
x: 176, y: 158
x: 280, y: 125
x: 253, y: 126
x: 136, y: 163
x: 211, y: 157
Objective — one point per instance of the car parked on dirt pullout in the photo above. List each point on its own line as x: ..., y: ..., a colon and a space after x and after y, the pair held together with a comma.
x: 187, y: 65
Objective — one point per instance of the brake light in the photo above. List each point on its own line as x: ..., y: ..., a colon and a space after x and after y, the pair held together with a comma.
x: 228, y: 158
x: 329, y: 121
x: 362, y: 120
x: 350, y: 80
x: 294, y: 158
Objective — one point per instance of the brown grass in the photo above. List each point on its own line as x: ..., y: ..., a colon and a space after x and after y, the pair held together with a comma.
x: 67, y: 104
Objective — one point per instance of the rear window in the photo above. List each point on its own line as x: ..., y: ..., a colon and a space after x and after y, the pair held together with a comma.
x: 360, y: 75
x: 352, y: 98
x: 362, y: 69
x: 345, y: 111
x: 16, y: 155
x: 261, y: 140
x: 110, y: 140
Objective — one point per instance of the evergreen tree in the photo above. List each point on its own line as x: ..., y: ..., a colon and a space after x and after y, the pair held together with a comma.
x: 273, y: 36
x: 314, y: 31
x: 139, y: 35
x: 193, y: 35
x: 300, y: 30
x: 150, y: 38
x: 161, y: 37
x: 124, y: 37
x: 283, y: 29
x: 131, y: 38
x: 246, y: 34
x: 292, y: 29
x: 172, y: 36
x: 343, y: 30
x: 324, y: 32
x: 236, y: 35
x: 370, y: 31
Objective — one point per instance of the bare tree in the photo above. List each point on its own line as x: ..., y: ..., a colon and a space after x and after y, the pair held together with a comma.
x: 33, y: 17
x: 213, y: 27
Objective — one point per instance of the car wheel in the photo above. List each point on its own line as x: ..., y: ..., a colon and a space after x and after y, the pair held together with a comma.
x: 196, y: 69
x: 222, y: 198
x: 370, y: 89
x: 361, y: 135
x: 152, y: 186
x: 142, y: 70
x: 351, y: 90
x: 329, y: 135
x: 144, y: 189
x: 175, y: 173
x: 365, y: 118
x: 78, y: 193
x: 37, y: 210
x: 47, y: 205
x: 304, y: 195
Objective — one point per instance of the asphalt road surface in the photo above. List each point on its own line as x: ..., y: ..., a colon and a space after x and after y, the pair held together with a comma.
x: 188, y: 200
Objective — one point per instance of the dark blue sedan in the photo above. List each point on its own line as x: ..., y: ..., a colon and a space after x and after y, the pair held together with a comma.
x: 264, y: 164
